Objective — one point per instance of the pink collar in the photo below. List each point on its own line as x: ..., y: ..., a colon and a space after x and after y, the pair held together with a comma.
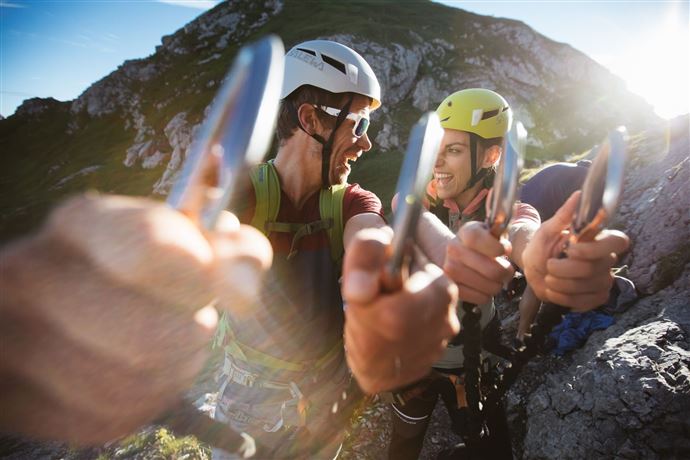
x: 453, y: 206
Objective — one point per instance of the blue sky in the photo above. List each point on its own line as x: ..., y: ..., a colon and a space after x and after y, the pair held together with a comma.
x: 58, y: 48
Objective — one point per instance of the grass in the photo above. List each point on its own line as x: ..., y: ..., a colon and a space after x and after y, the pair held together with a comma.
x: 156, y: 444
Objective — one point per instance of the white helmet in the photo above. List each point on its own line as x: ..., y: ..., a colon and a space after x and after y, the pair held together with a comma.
x: 331, y: 66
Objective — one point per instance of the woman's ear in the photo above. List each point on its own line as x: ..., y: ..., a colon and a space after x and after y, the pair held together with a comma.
x: 306, y: 114
x: 491, y: 156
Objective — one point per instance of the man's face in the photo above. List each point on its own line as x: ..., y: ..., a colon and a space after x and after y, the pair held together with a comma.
x: 347, y: 148
x: 453, y: 164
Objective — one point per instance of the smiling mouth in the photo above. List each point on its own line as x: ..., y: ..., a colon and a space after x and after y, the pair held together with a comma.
x: 349, y: 159
x: 442, y: 179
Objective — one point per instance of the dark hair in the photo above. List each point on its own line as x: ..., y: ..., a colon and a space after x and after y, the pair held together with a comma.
x: 288, y: 120
x: 485, y: 144
x: 482, y: 146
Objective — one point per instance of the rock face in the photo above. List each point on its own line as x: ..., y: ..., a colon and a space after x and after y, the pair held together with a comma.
x: 656, y: 207
x: 179, y: 134
x: 37, y: 106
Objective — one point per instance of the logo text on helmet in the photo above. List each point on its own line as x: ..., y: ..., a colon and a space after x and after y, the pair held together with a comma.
x: 306, y: 57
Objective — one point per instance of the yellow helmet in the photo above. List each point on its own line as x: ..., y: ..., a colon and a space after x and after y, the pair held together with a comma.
x: 476, y: 110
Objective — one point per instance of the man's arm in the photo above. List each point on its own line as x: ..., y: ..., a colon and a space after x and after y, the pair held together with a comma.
x: 360, y: 222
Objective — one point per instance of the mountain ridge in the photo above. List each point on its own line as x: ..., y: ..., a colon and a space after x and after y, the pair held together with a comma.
x: 137, y: 122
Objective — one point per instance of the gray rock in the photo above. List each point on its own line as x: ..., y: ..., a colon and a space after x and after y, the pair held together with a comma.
x: 656, y: 207
x: 626, y: 393
x: 179, y: 133
x: 37, y: 106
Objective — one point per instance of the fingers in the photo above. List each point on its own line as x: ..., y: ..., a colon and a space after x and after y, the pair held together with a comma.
x: 582, y: 280
x: 578, y: 302
x: 241, y: 258
x: 478, y: 277
x: 577, y: 268
x: 477, y: 237
x: 146, y: 245
x: 424, y: 298
x: 589, y: 285
x: 139, y: 242
x: 606, y: 242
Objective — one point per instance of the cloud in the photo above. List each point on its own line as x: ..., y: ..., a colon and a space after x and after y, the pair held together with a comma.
x: 198, y: 4
x: 11, y: 5
x: 17, y: 93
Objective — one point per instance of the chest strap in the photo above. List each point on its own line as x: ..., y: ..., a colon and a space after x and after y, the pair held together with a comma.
x: 299, y: 230
x: 226, y: 338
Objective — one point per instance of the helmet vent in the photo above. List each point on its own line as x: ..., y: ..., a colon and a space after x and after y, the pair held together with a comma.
x: 334, y: 63
x: 489, y: 114
x: 307, y: 51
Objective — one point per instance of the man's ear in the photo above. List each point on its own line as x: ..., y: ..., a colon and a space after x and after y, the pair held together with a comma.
x: 491, y: 156
x: 306, y: 113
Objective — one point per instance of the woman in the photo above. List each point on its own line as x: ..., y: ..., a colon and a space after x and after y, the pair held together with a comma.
x: 475, y: 122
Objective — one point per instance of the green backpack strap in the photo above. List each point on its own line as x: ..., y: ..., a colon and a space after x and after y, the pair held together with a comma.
x: 267, y: 191
x: 331, y: 207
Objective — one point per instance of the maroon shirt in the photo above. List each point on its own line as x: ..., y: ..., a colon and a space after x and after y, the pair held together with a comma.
x: 300, y: 308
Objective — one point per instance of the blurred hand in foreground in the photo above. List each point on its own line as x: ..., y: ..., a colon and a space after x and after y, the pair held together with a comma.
x: 106, y: 314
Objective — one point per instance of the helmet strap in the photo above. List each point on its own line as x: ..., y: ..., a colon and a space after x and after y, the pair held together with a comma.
x: 326, y: 150
x: 476, y: 175
x: 327, y: 144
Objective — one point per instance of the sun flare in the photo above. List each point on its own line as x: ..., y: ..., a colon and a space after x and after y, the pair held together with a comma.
x: 658, y: 63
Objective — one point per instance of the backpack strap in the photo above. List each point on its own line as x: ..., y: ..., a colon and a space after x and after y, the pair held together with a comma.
x: 267, y: 191
x: 331, y: 207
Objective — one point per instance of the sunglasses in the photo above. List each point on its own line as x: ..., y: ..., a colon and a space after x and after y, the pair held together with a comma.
x: 361, y: 120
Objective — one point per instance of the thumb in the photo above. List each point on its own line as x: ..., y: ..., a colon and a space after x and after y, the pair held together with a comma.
x: 364, y: 259
x: 564, y: 216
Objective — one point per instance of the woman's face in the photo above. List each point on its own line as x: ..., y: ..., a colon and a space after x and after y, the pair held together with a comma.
x: 453, y: 164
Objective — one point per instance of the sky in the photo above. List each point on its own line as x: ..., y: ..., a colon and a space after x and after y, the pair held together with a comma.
x: 58, y: 48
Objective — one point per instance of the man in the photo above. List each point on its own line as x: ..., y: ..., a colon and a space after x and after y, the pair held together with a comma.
x: 284, y: 363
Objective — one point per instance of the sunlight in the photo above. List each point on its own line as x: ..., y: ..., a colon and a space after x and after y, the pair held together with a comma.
x: 658, y: 64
